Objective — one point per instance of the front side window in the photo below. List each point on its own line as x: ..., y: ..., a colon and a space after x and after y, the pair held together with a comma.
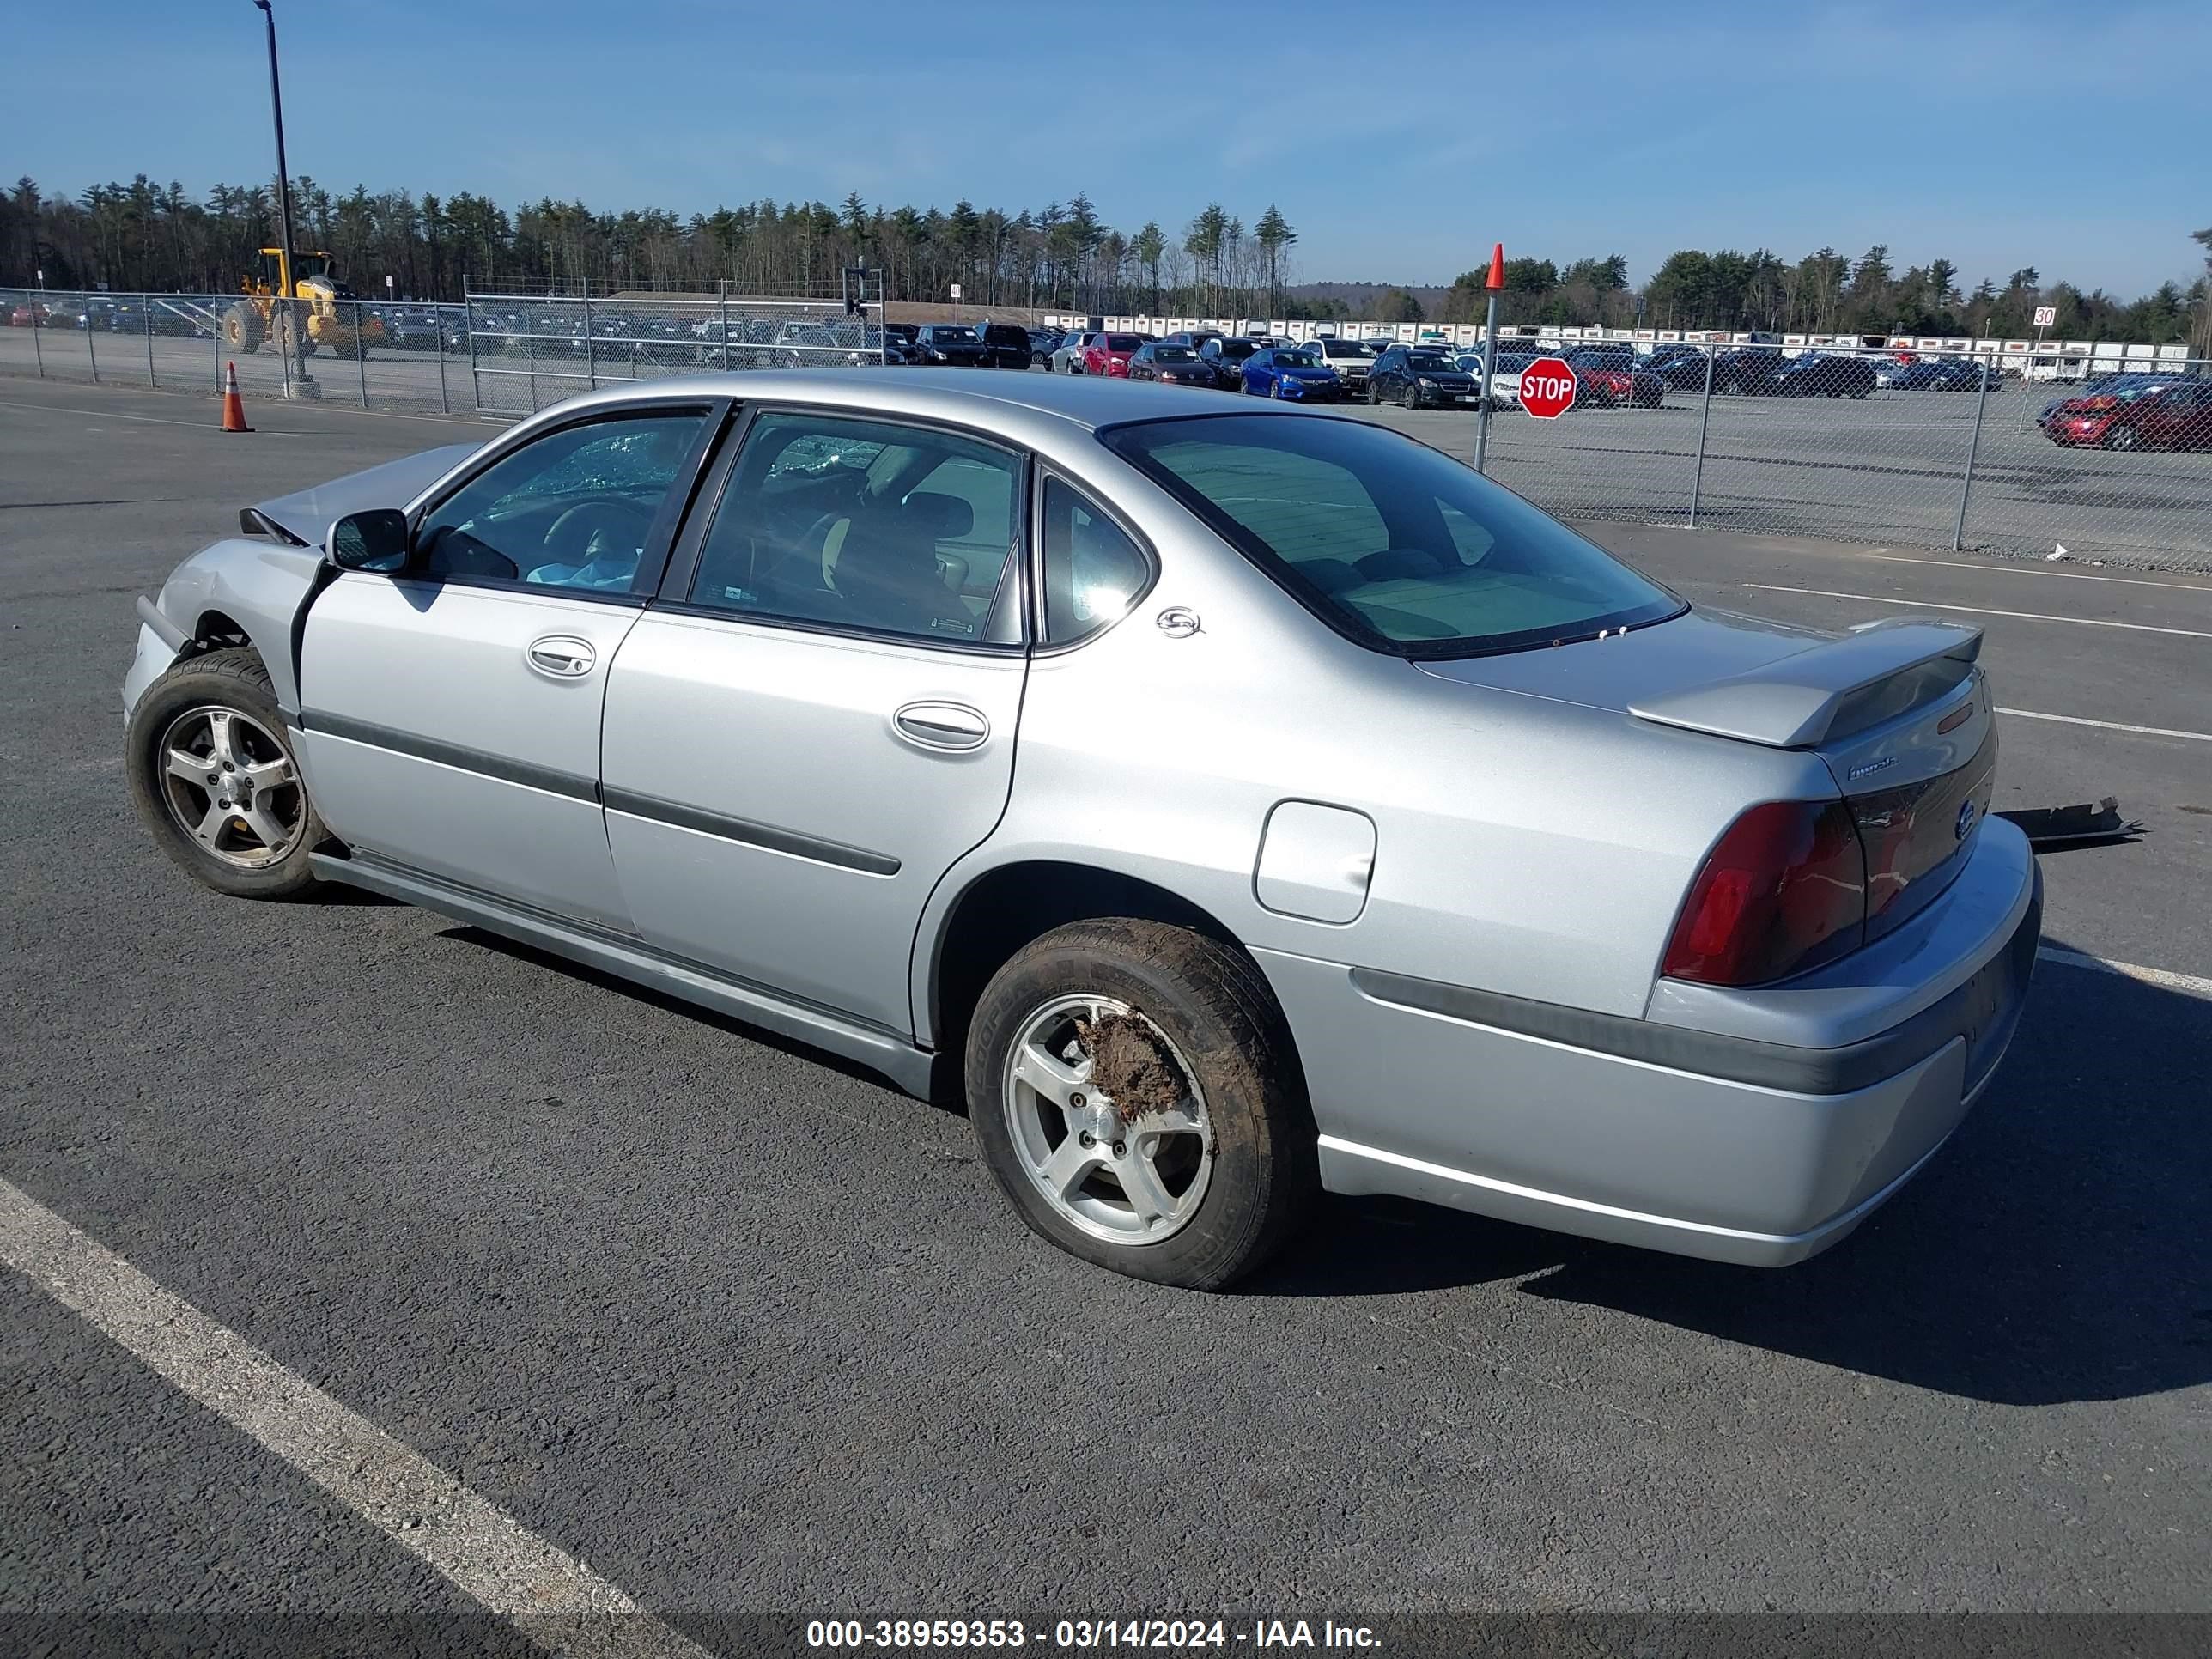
x: 1093, y: 572
x: 1393, y: 544
x: 572, y: 509
x: 866, y: 524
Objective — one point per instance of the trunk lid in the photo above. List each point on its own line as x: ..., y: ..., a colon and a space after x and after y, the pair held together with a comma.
x: 1897, y: 711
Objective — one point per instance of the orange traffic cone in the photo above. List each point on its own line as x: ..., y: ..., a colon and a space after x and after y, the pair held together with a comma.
x: 234, y: 406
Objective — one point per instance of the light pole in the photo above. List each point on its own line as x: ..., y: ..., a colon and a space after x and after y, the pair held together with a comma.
x: 294, y: 340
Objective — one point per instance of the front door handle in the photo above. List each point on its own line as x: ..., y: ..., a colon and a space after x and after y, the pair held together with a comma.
x: 562, y: 656
x: 951, y: 726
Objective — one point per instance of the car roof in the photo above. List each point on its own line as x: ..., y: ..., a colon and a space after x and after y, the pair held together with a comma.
x: 1016, y: 405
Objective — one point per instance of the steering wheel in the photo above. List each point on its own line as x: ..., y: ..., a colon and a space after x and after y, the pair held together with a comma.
x: 612, y: 514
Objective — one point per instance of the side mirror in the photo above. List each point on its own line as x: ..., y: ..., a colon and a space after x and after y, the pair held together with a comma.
x: 375, y: 540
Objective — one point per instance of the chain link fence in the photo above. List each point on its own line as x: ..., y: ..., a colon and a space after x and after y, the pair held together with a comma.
x: 528, y: 352
x: 369, y: 354
x: 494, y: 356
x: 2110, y: 461
x: 2014, y: 454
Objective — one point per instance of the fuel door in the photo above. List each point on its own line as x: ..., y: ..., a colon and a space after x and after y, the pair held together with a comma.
x: 1315, y: 861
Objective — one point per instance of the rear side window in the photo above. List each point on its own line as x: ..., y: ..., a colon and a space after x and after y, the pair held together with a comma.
x: 1093, y: 571
x: 866, y: 525
x: 1395, y: 545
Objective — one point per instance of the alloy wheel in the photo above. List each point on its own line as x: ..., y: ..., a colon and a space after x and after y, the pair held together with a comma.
x: 231, y: 785
x: 1126, y: 1176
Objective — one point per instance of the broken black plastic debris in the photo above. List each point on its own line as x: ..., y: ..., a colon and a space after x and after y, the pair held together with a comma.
x: 2080, y: 825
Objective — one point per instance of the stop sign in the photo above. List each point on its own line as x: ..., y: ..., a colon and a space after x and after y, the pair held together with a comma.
x: 1547, y: 388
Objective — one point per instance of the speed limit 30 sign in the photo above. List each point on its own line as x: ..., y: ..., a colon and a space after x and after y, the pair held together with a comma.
x: 1547, y: 388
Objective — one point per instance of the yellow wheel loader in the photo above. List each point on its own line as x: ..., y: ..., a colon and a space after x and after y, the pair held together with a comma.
x: 293, y: 300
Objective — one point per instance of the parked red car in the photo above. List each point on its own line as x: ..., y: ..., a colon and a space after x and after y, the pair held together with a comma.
x: 2175, y: 415
x: 1110, y: 352
x: 1603, y: 388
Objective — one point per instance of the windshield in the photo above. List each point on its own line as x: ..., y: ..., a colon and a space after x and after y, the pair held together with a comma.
x: 1168, y: 353
x: 1390, y: 542
x: 952, y: 334
x: 1237, y: 350
x: 1430, y: 361
x: 1344, y: 349
x: 1122, y: 342
x: 1287, y: 359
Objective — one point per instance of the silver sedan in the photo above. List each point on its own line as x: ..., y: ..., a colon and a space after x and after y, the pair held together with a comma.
x: 1232, y: 805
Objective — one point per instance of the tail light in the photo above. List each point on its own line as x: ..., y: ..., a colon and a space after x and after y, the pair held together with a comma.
x: 1784, y: 891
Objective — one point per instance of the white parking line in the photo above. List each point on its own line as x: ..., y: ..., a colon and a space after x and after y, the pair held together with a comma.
x: 1980, y: 610
x: 554, y: 1599
x: 149, y: 420
x: 2029, y: 570
x: 2109, y: 725
x: 2188, y: 984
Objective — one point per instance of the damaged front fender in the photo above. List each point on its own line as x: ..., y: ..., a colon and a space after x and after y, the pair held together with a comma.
x: 255, y: 587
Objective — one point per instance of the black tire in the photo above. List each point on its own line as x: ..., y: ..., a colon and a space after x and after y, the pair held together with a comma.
x: 1374, y: 395
x: 241, y: 329
x: 235, y: 678
x: 2121, y: 437
x: 1214, y: 1006
x: 1412, y: 398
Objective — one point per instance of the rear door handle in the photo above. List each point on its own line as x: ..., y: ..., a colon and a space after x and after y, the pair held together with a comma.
x: 562, y: 656
x: 951, y: 726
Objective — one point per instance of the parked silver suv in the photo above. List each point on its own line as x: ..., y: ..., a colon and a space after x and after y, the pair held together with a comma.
x: 1230, y: 805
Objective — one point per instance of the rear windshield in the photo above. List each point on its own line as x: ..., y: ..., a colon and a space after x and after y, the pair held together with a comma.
x: 1388, y: 541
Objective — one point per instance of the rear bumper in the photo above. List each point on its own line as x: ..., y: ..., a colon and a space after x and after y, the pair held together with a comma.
x: 1707, y: 1143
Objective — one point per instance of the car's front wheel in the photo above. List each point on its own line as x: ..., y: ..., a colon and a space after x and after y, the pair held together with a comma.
x: 214, y: 778
x: 1134, y: 1088
x: 2121, y: 437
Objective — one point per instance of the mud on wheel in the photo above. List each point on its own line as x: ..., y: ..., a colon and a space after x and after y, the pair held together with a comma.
x: 213, y: 777
x: 1135, y: 1092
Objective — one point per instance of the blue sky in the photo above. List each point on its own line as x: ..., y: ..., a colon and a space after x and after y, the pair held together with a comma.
x: 1997, y: 136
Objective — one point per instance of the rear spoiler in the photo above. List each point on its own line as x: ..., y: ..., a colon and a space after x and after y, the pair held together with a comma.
x: 1802, y: 700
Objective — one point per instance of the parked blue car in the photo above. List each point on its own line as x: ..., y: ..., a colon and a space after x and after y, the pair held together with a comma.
x: 1292, y: 372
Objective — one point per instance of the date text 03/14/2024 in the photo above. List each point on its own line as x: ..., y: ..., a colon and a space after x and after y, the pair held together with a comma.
x: 1085, y: 1634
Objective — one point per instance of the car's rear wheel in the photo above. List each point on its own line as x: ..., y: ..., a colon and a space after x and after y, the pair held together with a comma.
x: 2121, y: 437
x: 1135, y: 1090
x: 213, y: 777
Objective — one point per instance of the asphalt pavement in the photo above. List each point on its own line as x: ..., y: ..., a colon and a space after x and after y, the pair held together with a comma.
x: 749, y: 1333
